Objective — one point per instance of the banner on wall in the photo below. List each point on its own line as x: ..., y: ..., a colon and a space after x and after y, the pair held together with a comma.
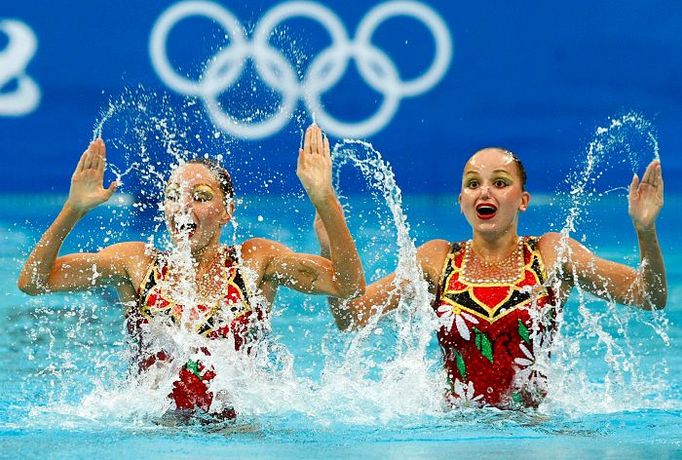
x: 426, y: 81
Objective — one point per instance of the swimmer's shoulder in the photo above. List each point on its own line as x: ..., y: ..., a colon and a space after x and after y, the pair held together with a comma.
x: 133, y: 256
x: 130, y: 249
x: 431, y: 256
x: 548, y: 238
x: 255, y: 247
x: 257, y: 252
x: 548, y: 245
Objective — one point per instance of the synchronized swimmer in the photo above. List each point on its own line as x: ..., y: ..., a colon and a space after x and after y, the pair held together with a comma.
x: 233, y: 286
x: 497, y: 295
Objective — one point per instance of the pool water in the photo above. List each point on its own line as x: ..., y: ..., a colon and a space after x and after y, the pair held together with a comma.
x: 326, y: 393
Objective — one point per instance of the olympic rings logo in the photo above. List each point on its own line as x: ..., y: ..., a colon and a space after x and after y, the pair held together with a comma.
x: 324, y: 72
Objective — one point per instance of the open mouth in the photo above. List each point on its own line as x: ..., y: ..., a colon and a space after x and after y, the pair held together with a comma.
x: 184, y: 226
x: 486, y: 211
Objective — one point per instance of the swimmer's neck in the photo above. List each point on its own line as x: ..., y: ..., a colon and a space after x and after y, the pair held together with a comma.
x: 205, y: 257
x: 495, y: 245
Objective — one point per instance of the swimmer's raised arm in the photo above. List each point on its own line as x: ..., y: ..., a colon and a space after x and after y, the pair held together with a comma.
x: 646, y: 287
x: 341, y: 274
x: 44, y: 271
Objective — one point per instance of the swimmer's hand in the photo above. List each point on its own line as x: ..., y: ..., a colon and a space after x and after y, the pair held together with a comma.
x: 314, y: 168
x: 87, y: 183
x: 646, y: 197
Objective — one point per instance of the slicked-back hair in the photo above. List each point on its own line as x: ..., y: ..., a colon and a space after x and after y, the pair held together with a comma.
x: 515, y: 159
x: 522, y: 169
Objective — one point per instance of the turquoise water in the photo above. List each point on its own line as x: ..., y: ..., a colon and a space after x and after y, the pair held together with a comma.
x: 330, y: 394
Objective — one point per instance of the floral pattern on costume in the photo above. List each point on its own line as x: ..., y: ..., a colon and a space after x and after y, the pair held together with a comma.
x: 231, y: 317
x: 465, y: 394
x: 487, y: 329
x: 452, y: 315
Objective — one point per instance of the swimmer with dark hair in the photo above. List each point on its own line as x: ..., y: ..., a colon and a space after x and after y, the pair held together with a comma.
x: 231, y: 287
x: 497, y: 294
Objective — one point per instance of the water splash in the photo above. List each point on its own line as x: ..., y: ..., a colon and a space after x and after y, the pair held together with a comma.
x: 599, y: 335
x: 408, y: 364
x: 365, y: 375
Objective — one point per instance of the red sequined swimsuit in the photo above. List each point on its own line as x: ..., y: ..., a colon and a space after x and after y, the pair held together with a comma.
x: 190, y: 390
x: 489, y: 330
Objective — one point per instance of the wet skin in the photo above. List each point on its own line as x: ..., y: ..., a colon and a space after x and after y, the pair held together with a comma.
x: 491, y: 198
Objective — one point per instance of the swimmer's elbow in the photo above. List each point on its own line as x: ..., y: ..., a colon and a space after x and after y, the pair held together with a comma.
x: 657, y: 301
x: 350, y: 290
x: 660, y: 302
x: 31, y: 284
x: 349, y: 324
x: 28, y: 287
x: 347, y: 315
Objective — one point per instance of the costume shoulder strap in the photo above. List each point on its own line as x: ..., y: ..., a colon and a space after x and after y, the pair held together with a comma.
x: 448, y: 266
x: 532, y: 241
x: 537, y: 263
x: 231, y: 256
x: 233, y: 261
x: 151, y: 276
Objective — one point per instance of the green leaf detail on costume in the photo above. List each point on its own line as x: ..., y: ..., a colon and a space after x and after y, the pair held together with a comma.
x: 483, y: 344
x: 461, y: 367
x: 193, y: 367
x: 523, y: 332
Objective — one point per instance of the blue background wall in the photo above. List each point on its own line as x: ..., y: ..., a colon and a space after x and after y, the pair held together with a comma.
x: 537, y: 77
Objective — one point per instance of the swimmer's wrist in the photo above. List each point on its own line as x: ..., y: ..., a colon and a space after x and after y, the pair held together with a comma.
x: 75, y: 211
x: 323, y: 198
x: 646, y: 230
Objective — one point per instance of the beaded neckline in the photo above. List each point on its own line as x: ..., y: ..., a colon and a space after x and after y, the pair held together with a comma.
x: 516, y: 257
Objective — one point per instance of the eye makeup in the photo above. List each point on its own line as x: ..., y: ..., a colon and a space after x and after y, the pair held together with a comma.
x: 203, y: 192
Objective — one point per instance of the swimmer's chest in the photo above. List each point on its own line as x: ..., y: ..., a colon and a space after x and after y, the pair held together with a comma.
x: 163, y: 297
x: 489, y: 311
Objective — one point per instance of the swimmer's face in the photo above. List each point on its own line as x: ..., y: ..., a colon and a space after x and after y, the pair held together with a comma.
x: 492, y: 191
x: 195, y: 206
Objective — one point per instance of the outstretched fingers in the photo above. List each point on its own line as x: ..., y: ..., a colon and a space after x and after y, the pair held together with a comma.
x: 655, y: 175
x: 81, y: 162
x: 97, y: 160
x: 327, y: 150
x: 634, y: 187
x: 301, y: 159
x: 102, y: 157
x: 653, y: 178
x: 652, y: 173
x: 320, y: 140
x: 86, y: 159
x: 314, y: 139
x: 646, y: 177
x: 659, y: 178
x: 307, y: 141
x: 91, y: 157
x: 316, y: 142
